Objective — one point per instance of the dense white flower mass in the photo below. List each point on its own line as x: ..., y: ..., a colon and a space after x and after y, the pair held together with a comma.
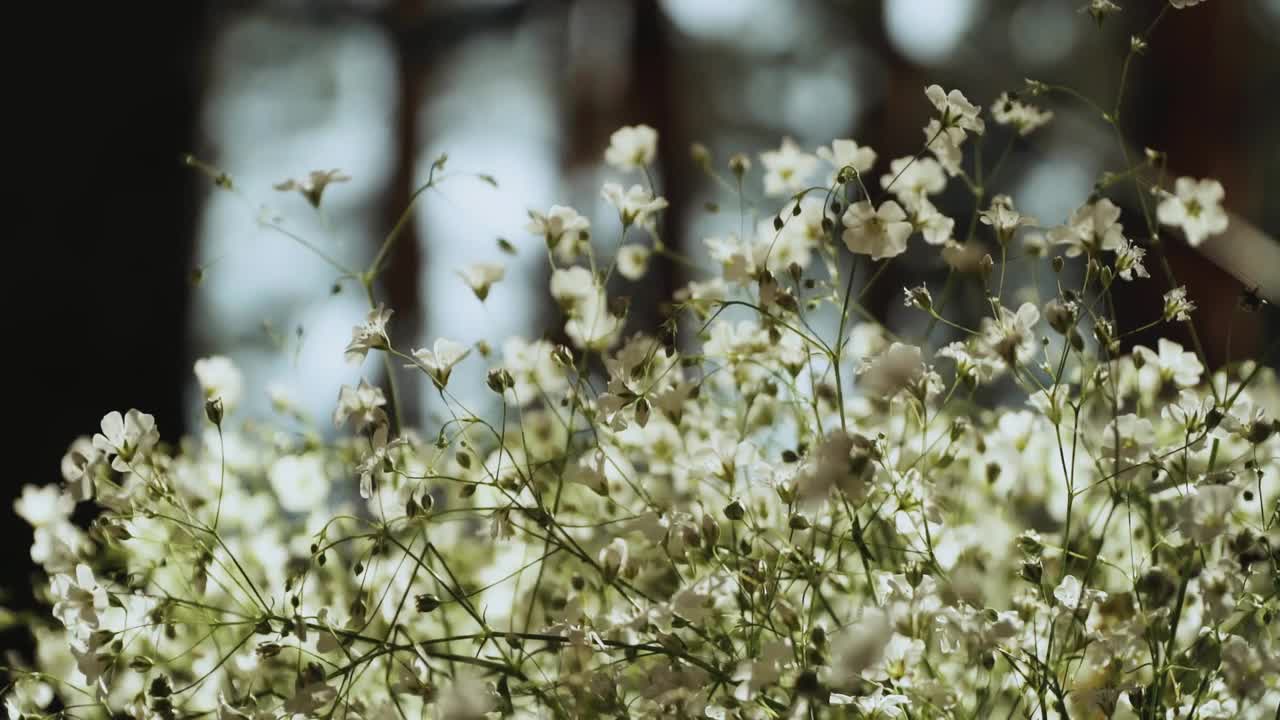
x: 763, y: 504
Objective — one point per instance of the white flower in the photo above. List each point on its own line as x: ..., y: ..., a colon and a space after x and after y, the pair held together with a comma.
x: 220, y: 378
x: 439, y: 361
x: 312, y: 187
x: 879, y: 705
x: 533, y: 369
x: 370, y: 335
x: 895, y: 369
x: 1093, y: 228
x: 787, y: 169
x: 1128, y: 436
x: 593, y: 327
x: 563, y: 229
x: 364, y: 403
x: 613, y: 558
x: 954, y: 109
x: 44, y: 505
x: 1170, y: 363
x: 633, y: 261
x: 932, y: 224
x: 1068, y: 591
x: 1025, y: 118
x: 1011, y: 338
x: 570, y: 286
x: 847, y: 153
x: 126, y: 437
x: 299, y: 481
x: 1204, y: 514
x: 910, y: 178
x: 880, y: 233
x: 1004, y: 218
x: 1129, y: 261
x: 79, y: 600
x: 634, y: 205
x: 482, y: 276
x: 632, y: 147
x: 1176, y: 304
x: 1196, y: 207
x: 376, y: 460
x: 945, y: 145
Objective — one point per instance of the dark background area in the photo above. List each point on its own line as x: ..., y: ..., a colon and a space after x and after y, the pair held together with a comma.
x: 112, y: 214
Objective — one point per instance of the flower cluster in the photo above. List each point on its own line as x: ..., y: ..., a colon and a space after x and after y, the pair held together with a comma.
x: 768, y: 506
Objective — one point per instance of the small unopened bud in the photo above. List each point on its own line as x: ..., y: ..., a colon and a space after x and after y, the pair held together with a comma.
x: 1058, y: 263
x: 734, y: 511
x: 986, y: 264
x: 563, y: 355
x: 269, y: 649
x: 777, y: 223
x: 426, y: 602
x: 798, y: 522
x: 739, y: 165
x: 213, y: 410
x: 700, y: 155
x: 1061, y: 316
x: 499, y: 380
x: 795, y: 271
x: 141, y: 664
x: 642, y: 412
x: 1032, y: 571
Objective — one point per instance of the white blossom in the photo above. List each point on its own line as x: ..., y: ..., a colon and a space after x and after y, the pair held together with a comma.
x: 879, y: 232
x: 1196, y: 207
x: 632, y: 147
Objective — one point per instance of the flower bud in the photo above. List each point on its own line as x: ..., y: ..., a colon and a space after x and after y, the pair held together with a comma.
x: 734, y: 511
x: 213, y: 410
x: 426, y: 602
x: 1061, y: 316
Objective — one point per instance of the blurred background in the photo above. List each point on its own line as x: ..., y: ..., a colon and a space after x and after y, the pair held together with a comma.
x: 153, y: 267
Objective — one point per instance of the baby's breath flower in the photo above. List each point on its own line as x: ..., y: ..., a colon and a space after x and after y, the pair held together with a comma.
x: 369, y: 335
x: 880, y: 233
x: 632, y: 147
x: 634, y: 205
x: 482, y: 276
x: 313, y: 186
x: 220, y: 379
x: 1196, y: 207
x: 847, y: 153
x: 918, y: 297
x: 1129, y: 261
x: 1177, y: 306
x: 633, y: 261
x: 439, y: 361
x: 126, y: 438
x: 563, y: 229
x: 1011, y: 337
x: 1026, y: 119
x: 787, y: 169
x: 955, y: 111
x: 1004, y: 218
x: 363, y: 402
x: 910, y: 178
